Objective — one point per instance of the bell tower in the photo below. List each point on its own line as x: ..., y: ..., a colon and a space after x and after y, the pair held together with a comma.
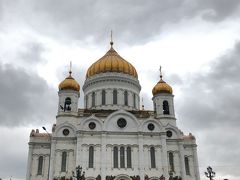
x: 68, y: 95
x: 163, y: 99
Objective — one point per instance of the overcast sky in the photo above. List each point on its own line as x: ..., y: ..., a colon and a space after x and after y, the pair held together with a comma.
x: 197, y: 42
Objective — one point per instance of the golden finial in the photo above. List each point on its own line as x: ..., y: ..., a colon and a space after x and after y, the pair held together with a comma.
x: 160, y: 69
x: 70, y: 68
x: 111, y: 40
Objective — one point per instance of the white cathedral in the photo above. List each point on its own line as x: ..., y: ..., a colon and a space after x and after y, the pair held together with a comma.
x: 112, y: 138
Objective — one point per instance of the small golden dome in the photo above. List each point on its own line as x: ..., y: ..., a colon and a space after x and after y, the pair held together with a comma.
x: 69, y: 83
x: 161, y: 87
x: 111, y: 62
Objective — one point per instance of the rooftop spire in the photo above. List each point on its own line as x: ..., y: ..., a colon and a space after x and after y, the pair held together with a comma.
x: 160, y: 69
x: 142, y: 104
x: 111, y: 39
x: 70, y: 68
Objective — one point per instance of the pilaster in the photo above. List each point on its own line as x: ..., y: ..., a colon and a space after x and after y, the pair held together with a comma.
x: 181, y: 157
x: 29, y: 164
x: 103, y: 157
x: 195, y: 162
x: 52, y: 158
x: 140, y: 156
x: 164, y: 155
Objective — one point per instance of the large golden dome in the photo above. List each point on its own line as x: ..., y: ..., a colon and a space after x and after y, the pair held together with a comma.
x: 111, y: 62
x: 161, y: 86
x: 69, y: 84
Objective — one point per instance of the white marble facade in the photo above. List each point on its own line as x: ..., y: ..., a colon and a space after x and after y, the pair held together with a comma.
x: 117, y: 139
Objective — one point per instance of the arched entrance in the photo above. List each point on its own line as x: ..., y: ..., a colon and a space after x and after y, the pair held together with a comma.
x: 122, y: 177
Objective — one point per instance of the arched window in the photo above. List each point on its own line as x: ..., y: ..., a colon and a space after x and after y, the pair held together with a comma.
x: 103, y: 97
x: 165, y: 107
x: 171, y: 161
x: 114, y: 96
x: 86, y: 101
x: 93, y: 99
x: 122, y: 157
x: 125, y: 98
x: 115, y: 157
x: 155, y: 107
x: 187, y: 167
x: 40, y: 165
x: 129, y: 157
x: 64, y: 162
x: 67, y: 104
x: 134, y: 100
x: 152, y: 154
x: 91, y: 157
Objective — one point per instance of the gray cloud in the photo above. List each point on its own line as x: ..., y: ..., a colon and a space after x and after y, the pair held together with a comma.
x: 31, y: 53
x: 214, y: 93
x: 13, y: 161
x: 26, y: 98
x: 132, y: 21
x: 210, y: 108
x: 219, y: 10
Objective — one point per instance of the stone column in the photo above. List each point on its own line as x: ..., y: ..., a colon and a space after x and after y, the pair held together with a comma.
x: 140, y: 156
x: 103, y: 157
x: 29, y: 164
x: 164, y: 154
x: 182, y: 161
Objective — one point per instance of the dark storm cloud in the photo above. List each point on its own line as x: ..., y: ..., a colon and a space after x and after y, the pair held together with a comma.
x: 132, y: 21
x: 209, y: 107
x: 26, y: 98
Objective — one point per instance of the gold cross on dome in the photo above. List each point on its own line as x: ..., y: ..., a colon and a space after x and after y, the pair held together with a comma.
x: 160, y: 69
x: 111, y: 38
x: 70, y: 70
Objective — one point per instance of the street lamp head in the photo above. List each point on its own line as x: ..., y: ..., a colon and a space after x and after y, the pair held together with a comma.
x: 44, y: 128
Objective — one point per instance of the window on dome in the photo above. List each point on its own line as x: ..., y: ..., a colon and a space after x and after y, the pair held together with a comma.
x: 125, y: 98
x: 91, y: 157
x: 86, y: 101
x: 103, y: 97
x: 93, y: 99
x: 40, y: 165
x: 122, y: 157
x: 67, y: 104
x: 129, y: 157
x: 152, y: 154
x: 115, y: 157
x: 114, y: 96
x: 187, y: 167
x: 171, y: 161
x: 64, y: 162
x: 134, y: 100
x: 165, y: 107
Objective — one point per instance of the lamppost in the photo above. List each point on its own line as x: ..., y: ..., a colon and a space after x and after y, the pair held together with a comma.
x: 50, y: 150
x: 210, y: 173
x: 79, y: 174
x: 170, y: 175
